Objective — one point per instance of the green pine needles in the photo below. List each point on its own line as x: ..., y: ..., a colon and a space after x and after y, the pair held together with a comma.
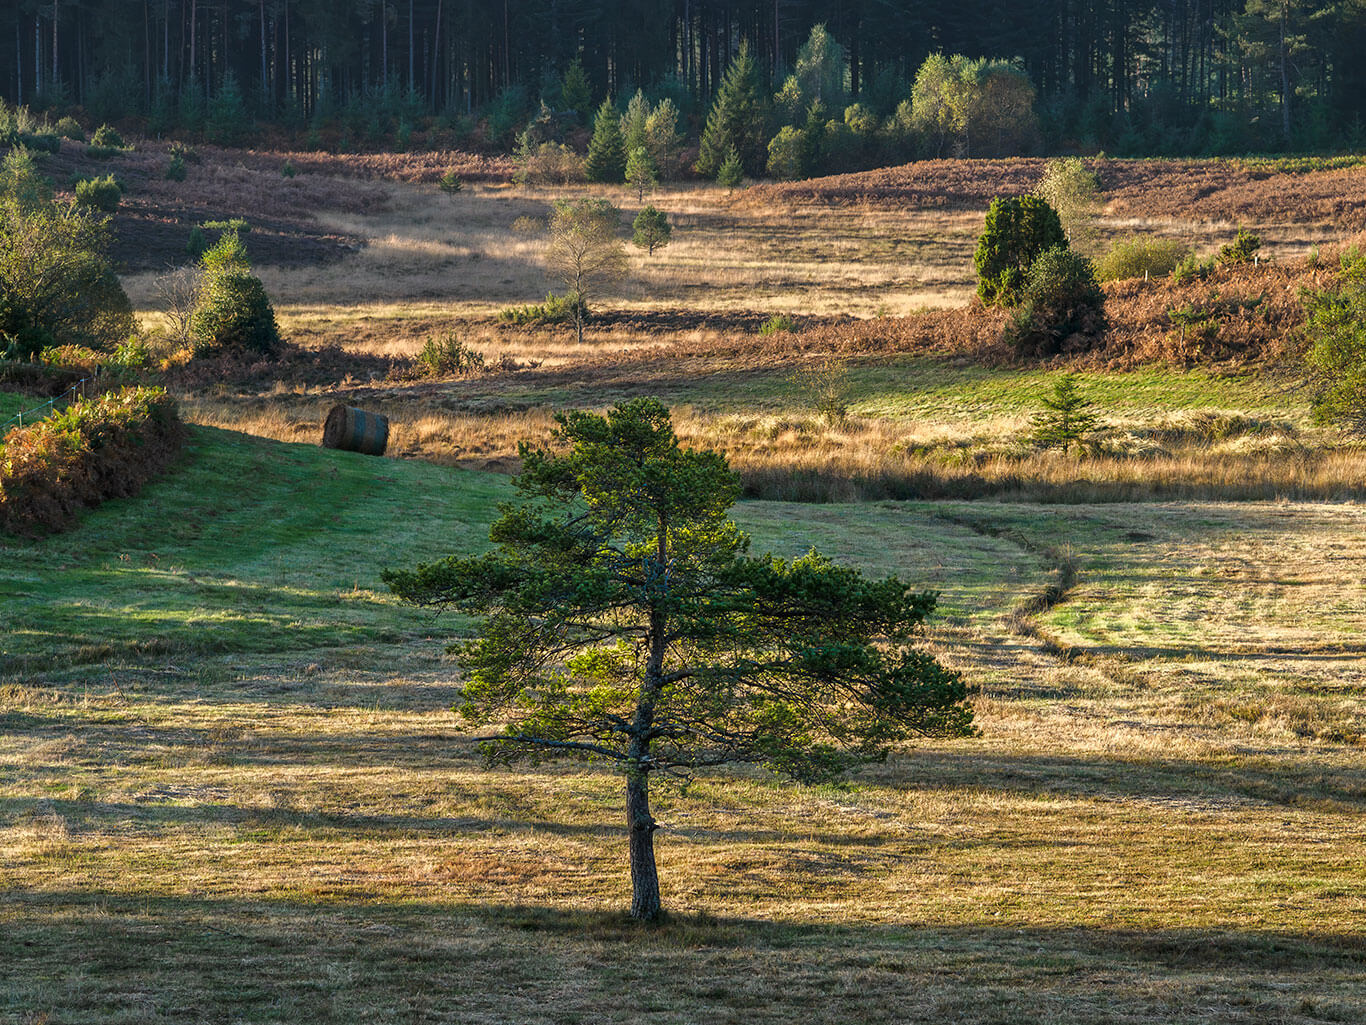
x: 607, y: 149
x: 1066, y: 419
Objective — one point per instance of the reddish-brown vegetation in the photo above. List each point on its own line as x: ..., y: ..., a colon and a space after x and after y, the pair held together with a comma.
x: 95, y: 449
x: 1206, y: 190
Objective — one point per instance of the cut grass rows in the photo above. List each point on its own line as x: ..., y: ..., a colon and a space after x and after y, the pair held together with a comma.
x: 273, y: 815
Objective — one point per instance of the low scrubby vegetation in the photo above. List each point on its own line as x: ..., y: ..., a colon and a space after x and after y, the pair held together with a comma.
x: 93, y: 450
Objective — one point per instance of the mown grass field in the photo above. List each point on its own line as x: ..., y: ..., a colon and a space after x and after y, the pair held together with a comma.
x: 232, y: 788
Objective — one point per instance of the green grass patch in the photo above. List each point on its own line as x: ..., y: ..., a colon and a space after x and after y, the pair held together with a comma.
x: 932, y: 389
x: 248, y: 546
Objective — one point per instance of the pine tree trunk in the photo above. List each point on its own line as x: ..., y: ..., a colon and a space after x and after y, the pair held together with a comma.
x: 645, y: 903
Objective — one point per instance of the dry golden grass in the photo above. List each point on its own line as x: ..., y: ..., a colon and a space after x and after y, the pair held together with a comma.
x: 729, y: 253
x: 1164, y: 826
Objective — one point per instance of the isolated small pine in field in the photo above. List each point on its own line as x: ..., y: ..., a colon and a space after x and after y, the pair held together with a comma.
x: 1242, y: 249
x: 450, y: 183
x: 641, y: 171
x: 651, y: 229
x: 732, y: 172
x: 1066, y: 419
x: 607, y: 150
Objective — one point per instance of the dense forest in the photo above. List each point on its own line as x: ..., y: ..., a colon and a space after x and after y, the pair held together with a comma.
x: 1128, y: 75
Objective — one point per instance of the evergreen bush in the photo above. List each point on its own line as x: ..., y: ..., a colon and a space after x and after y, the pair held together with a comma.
x: 232, y: 313
x: 100, y: 193
x: 1063, y: 307
x: 1018, y: 229
x: 651, y: 230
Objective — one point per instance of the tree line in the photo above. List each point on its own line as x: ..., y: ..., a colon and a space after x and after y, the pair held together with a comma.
x: 1129, y: 75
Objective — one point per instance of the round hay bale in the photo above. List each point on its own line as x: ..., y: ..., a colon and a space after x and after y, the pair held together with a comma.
x: 355, y: 430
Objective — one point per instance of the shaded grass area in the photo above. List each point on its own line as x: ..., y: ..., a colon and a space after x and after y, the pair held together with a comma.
x: 330, y: 962
x: 276, y: 817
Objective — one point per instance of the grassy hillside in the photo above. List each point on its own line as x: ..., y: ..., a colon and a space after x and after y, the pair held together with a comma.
x: 231, y: 787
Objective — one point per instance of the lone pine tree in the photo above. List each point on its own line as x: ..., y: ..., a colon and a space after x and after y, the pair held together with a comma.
x: 623, y: 621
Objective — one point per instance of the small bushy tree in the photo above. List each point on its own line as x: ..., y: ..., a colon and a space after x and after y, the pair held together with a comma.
x: 1074, y: 193
x: 651, y: 230
x: 56, y: 284
x: 1335, y: 329
x: 732, y: 172
x: 1063, y: 308
x: 623, y: 620
x: 606, y: 151
x: 1018, y: 229
x: 786, y: 154
x: 103, y: 194
x: 232, y: 313
x: 641, y: 171
x: 968, y: 107
x: 1066, y: 419
x: 585, y: 251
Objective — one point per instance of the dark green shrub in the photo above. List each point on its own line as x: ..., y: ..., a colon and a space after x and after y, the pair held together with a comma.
x: 787, y: 154
x: 651, y: 229
x: 1335, y: 327
x: 20, y: 338
x: 100, y: 193
x: 776, y: 323
x: 107, y: 137
x: 102, y: 152
x: 232, y: 312
x: 557, y: 309
x: 234, y: 315
x: 52, y: 260
x: 1018, y: 229
x: 287, y: 170
x: 197, y: 244
x: 1063, y: 308
x: 43, y: 142
x: 175, y: 170
x: 1242, y: 249
x: 450, y: 183
x: 448, y: 356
